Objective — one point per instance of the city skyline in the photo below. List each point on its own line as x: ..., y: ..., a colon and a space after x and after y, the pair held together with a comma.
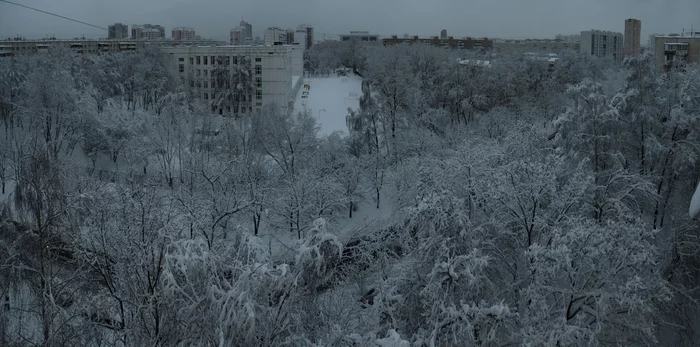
x: 545, y: 19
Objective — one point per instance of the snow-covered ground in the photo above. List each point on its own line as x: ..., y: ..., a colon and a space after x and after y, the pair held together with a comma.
x: 329, y: 99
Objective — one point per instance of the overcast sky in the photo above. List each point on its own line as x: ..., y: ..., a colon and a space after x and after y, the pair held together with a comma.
x: 478, y: 18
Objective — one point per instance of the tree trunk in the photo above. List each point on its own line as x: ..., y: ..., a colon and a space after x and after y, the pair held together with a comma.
x: 350, y: 205
x: 377, y: 197
x: 256, y: 222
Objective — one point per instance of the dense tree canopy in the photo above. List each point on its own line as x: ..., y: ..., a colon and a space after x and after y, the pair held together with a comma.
x: 521, y: 203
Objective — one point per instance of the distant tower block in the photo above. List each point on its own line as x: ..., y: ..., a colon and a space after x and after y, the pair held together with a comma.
x: 443, y: 34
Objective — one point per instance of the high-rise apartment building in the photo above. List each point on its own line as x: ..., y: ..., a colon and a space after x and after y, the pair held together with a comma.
x: 443, y: 34
x: 237, y: 36
x: 633, y: 32
x: 290, y: 37
x: 118, y: 31
x: 247, y: 29
x: 182, y: 33
x: 309, y: 31
x: 148, y: 32
x: 602, y: 43
x: 275, y: 34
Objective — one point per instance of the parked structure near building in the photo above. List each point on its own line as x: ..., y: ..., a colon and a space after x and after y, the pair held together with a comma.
x: 275, y: 34
x: 183, y: 33
x: 118, y: 31
x: 364, y: 36
x: 602, y: 44
x: 670, y: 50
x: 270, y: 67
x: 148, y: 32
x: 536, y: 45
x: 450, y: 42
x: 633, y: 32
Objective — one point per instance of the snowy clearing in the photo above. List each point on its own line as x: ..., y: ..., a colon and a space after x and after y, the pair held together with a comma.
x: 328, y: 99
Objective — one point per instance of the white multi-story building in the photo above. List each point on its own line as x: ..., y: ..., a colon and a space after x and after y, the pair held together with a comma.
x: 269, y: 69
x: 275, y: 34
x: 602, y: 43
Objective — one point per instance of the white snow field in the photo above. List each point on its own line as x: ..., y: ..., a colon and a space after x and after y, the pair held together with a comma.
x: 328, y: 101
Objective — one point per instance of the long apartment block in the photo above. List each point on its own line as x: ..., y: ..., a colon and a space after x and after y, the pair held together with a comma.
x: 270, y: 70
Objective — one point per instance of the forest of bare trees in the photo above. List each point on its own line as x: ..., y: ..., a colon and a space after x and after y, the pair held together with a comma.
x: 530, y: 205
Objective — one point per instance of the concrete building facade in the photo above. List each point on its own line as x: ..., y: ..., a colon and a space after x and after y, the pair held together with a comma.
x: 247, y: 29
x: 602, y: 44
x: 670, y: 50
x: 270, y: 68
x: 182, y: 33
x: 273, y: 35
x: 118, y: 31
x: 443, y: 34
x: 237, y: 36
x: 309, y: 34
x: 25, y: 47
x: 19, y: 48
x: 147, y: 32
x: 633, y: 32
x: 290, y: 37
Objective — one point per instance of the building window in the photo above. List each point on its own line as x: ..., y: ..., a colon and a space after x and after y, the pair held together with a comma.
x: 181, y: 59
x: 258, y: 69
x: 198, y: 60
x: 258, y: 82
x: 258, y: 59
x: 199, y: 84
x: 191, y: 83
x: 181, y: 67
x: 206, y: 72
x: 206, y: 60
x: 199, y: 72
x: 242, y: 109
x: 191, y: 61
x: 206, y: 96
x: 258, y: 94
x: 235, y: 60
x: 212, y: 60
x: 206, y: 84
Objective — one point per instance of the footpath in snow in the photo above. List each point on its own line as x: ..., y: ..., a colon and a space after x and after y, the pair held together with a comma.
x: 328, y: 99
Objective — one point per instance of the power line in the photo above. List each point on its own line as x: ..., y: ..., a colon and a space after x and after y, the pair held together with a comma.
x: 52, y: 14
